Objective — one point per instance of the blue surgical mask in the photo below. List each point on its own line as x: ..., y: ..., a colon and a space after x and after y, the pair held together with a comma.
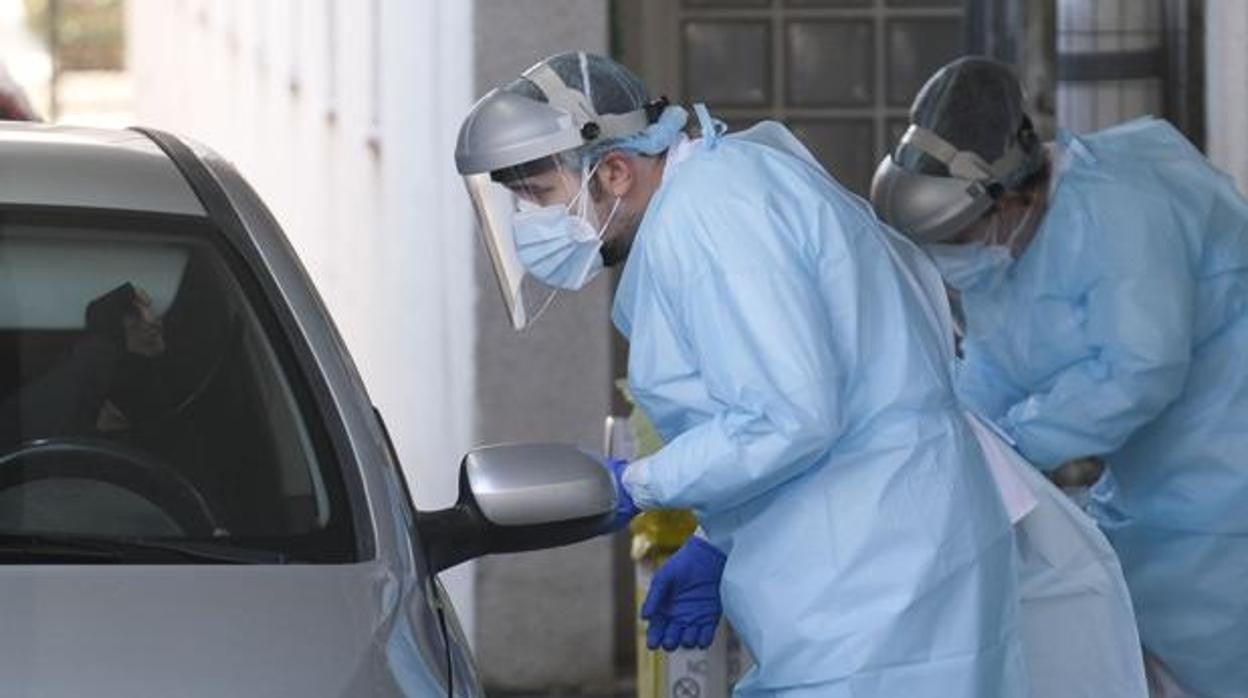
x: 973, y: 266
x: 558, y: 247
x: 561, y: 244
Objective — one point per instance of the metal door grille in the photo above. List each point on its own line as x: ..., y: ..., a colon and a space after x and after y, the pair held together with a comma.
x: 840, y: 73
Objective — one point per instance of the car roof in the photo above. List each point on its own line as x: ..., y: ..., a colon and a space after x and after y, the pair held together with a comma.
x: 68, y: 166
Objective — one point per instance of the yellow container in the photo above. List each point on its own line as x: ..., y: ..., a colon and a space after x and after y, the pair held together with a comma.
x: 656, y: 535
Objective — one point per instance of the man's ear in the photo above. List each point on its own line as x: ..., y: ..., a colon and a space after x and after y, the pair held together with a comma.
x: 616, y: 174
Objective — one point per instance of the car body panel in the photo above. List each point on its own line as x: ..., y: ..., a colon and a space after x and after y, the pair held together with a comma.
x: 376, y: 628
x: 191, y: 631
x: 90, y: 168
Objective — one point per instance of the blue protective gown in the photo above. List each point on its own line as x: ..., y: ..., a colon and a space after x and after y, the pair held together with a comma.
x: 1122, y: 332
x: 811, y: 424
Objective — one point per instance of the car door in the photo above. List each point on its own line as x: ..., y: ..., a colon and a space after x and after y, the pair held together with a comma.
x: 433, y: 640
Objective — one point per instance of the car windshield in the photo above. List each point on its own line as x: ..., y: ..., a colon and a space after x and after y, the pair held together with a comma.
x: 142, y: 401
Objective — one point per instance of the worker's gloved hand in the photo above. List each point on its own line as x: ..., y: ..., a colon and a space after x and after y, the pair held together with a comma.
x: 683, y: 606
x: 625, y: 509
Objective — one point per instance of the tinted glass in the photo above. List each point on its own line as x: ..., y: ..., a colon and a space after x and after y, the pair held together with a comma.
x: 142, y: 399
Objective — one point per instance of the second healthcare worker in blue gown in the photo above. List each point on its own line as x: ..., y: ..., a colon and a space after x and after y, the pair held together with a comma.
x: 1106, y: 303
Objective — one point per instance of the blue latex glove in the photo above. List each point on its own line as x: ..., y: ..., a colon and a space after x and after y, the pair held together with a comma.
x: 625, y: 508
x: 682, y: 606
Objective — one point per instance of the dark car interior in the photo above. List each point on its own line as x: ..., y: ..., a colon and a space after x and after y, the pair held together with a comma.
x: 166, y: 415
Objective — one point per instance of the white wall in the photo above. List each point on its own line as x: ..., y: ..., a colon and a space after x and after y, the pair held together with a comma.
x: 342, y: 114
x: 1226, y: 70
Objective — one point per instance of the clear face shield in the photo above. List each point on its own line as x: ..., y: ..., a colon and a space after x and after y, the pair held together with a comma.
x: 542, y: 229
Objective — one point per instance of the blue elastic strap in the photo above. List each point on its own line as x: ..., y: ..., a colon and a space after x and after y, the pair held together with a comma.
x: 654, y: 139
x: 711, y: 128
x: 1074, y: 144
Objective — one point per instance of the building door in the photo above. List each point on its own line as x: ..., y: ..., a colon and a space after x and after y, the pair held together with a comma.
x: 840, y: 73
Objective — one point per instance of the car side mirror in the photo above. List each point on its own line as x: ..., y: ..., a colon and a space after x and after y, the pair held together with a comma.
x: 519, y: 497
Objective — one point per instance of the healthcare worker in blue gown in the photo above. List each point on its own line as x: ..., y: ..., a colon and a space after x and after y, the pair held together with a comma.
x: 1105, y: 297
x: 781, y: 344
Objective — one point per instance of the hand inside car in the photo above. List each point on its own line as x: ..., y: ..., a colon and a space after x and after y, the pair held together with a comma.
x: 126, y: 318
x: 143, y: 330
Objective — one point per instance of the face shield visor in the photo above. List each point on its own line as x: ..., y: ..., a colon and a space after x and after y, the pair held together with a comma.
x: 926, y: 208
x: 528, y: 169
x: 542, y: 229
x: 932, y: 192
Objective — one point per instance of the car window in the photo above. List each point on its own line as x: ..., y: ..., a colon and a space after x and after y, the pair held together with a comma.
x: 141, y: 397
